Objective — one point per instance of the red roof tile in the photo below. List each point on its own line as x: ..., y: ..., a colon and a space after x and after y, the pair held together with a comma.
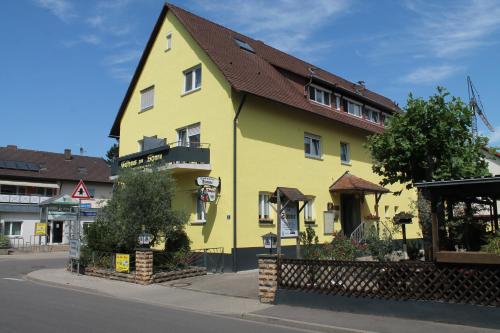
x: 54, y: 166
x: 348, y: 182
x: 263, y: 73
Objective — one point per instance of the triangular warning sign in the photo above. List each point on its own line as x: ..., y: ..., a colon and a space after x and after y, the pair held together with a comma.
x: 81, y: 191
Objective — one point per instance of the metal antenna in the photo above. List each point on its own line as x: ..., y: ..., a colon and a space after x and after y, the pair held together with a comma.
x: 476, y: 107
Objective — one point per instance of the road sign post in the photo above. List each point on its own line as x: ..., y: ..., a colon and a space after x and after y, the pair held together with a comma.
x: 80, y: 192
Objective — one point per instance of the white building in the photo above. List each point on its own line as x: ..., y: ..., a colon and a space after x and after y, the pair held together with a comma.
x: 29, y: 177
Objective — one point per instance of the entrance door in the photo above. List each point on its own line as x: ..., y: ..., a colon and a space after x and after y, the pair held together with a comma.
x: 350, y: 211
x: 57, y: 232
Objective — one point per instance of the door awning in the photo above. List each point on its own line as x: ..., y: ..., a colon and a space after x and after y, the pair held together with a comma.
x: 289, y: 193
x: 350, y: 183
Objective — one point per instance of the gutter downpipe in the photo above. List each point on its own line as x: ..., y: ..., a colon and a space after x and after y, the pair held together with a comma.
x: 235, y: 130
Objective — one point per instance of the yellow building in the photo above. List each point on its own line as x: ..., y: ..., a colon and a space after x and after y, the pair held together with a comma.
x: 208, y: 101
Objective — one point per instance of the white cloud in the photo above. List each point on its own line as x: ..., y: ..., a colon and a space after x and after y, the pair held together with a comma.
x: 431, y: 74
x: 90, y: 39
x: 454, y: 29
x: 284, y: 24
x: 123, y: 57
x: 494, y: 137
x: 63, y: 9
x: 95, y: 21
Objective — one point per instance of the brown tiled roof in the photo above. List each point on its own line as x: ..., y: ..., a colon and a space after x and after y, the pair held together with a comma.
x: 268, y: 73
x: 290, y: 193
x: 53, y: 166
x: 348, y: 182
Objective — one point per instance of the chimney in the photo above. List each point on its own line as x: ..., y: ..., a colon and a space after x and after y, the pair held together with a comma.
x: 12, y: 146
x: 67, y: 154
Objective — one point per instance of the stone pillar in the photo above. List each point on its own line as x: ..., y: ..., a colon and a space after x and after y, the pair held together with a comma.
x: 268, y: 277
x: 144, y: 266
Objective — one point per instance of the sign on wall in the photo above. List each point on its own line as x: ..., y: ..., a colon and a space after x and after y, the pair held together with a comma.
x: 207, y: 181
x: 40, y: 229
x: 122, y: 263
x: 208, y: 188
x: 289, y: 221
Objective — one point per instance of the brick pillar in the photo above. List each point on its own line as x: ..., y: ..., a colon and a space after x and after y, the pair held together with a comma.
x: 268, y: 277
x: 144, y: 266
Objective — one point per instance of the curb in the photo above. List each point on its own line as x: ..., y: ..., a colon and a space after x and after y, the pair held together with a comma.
x: 300, y: 324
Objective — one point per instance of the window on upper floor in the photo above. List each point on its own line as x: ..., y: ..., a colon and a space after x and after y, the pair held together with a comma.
x: 354, y: 108
x: 168, y: 41
x: 337, y: 102
x: 372, y: 115
x: 189, y: 136
x: 320, y: 95
x: 147, y: 98
x: 192, y: 79
x: 312, y: 145
x: 345, y: 153
x: 264, y: 206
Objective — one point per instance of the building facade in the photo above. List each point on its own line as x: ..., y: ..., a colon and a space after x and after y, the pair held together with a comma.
x: 208, y: 101
x: 28, y: 178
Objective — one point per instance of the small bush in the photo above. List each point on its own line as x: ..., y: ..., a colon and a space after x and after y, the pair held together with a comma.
x: 413, y: 250
x: 492, y: 244
x: 4, y: 242
x: 380, y: 247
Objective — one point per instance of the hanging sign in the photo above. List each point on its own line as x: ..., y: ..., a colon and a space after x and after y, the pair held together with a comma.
x: 207, y: 181
x: 122, y: 263
x: 40, y: 229
x: 289, y: 221
x: 81, y: 191
x: 208, y: 194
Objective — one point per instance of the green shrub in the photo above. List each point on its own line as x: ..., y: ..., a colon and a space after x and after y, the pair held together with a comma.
x: 4, y: 242
x: 380, y: 247
x: 492, y: 244
x: 342, y: 248
x: 413, y: 250
x: 310, y: 244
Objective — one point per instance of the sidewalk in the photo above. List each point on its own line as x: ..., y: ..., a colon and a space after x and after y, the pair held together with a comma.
x: 246, y: 308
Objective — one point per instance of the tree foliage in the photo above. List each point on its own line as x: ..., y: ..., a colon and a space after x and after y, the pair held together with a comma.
x: 432, y: 139
x: 112, y: 153
x: 140, y: 200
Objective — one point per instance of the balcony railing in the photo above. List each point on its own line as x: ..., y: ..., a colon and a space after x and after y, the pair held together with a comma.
x: 170, y: 154
x: 22, y: 199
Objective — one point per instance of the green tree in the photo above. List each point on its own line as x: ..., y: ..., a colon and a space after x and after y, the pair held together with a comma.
x: 140, y: 199
x: 431, y: 140
x: 112, y: 153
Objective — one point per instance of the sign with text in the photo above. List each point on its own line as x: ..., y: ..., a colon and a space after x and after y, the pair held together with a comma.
x: 74, y: 248
x: 289, y: 221
x: 122, y: 263
x: 40, y: 229
x: 208, y: 194
x: 207, y: 181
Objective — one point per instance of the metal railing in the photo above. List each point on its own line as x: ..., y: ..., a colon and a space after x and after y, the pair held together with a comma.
x: 370, y: 228
x: 210, y: 258
x: 22, y: 199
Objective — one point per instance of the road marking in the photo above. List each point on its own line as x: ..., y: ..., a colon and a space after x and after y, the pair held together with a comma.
x: 13, y: 279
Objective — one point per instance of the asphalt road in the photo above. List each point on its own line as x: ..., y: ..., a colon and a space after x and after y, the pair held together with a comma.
x: 27, y: 306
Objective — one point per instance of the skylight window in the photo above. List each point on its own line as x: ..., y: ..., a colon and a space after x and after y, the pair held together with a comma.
x: 244, y: 45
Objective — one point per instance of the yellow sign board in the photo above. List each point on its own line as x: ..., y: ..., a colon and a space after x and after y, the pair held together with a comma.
x: 122, y: 263
x: 40, y: 229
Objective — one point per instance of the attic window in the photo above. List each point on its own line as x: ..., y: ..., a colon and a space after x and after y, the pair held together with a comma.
x: 82, y: 169
x: 244, y: 45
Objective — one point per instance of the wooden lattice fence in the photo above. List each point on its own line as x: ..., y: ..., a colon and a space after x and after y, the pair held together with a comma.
x: 453, y: 283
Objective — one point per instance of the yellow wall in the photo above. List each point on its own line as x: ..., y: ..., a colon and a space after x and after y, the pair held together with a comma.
x: 271, y: 154
x: 270, y: 145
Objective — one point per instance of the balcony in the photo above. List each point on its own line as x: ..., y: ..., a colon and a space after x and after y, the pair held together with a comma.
x: 178, y: 157
x: 17, y: 203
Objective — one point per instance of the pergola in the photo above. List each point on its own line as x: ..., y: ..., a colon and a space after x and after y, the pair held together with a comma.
x: 481, y: 190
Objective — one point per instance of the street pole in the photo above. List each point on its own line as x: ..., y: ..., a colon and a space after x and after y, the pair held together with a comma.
x: 278, y: 205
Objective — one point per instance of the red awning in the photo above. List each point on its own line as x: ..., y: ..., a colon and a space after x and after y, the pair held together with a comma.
x: 350, y: 183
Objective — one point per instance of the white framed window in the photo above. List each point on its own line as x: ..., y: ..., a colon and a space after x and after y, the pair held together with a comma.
x: 372, y: 115
x: 354, y: 108
x: 189, y: 136
x: 264, y: 206
x: 312, y: 145
x: 337, y: 102
x: 147, y: 98
x: 309, y: 211
x: 320, y: 95
x: 345, y: 153
x: 12, y: 228
x: 168, y: 41
x: 192, y: 79
x: 200, y: 210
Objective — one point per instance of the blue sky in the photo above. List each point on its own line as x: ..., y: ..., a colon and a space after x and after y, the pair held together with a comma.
x: 66, y: 64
